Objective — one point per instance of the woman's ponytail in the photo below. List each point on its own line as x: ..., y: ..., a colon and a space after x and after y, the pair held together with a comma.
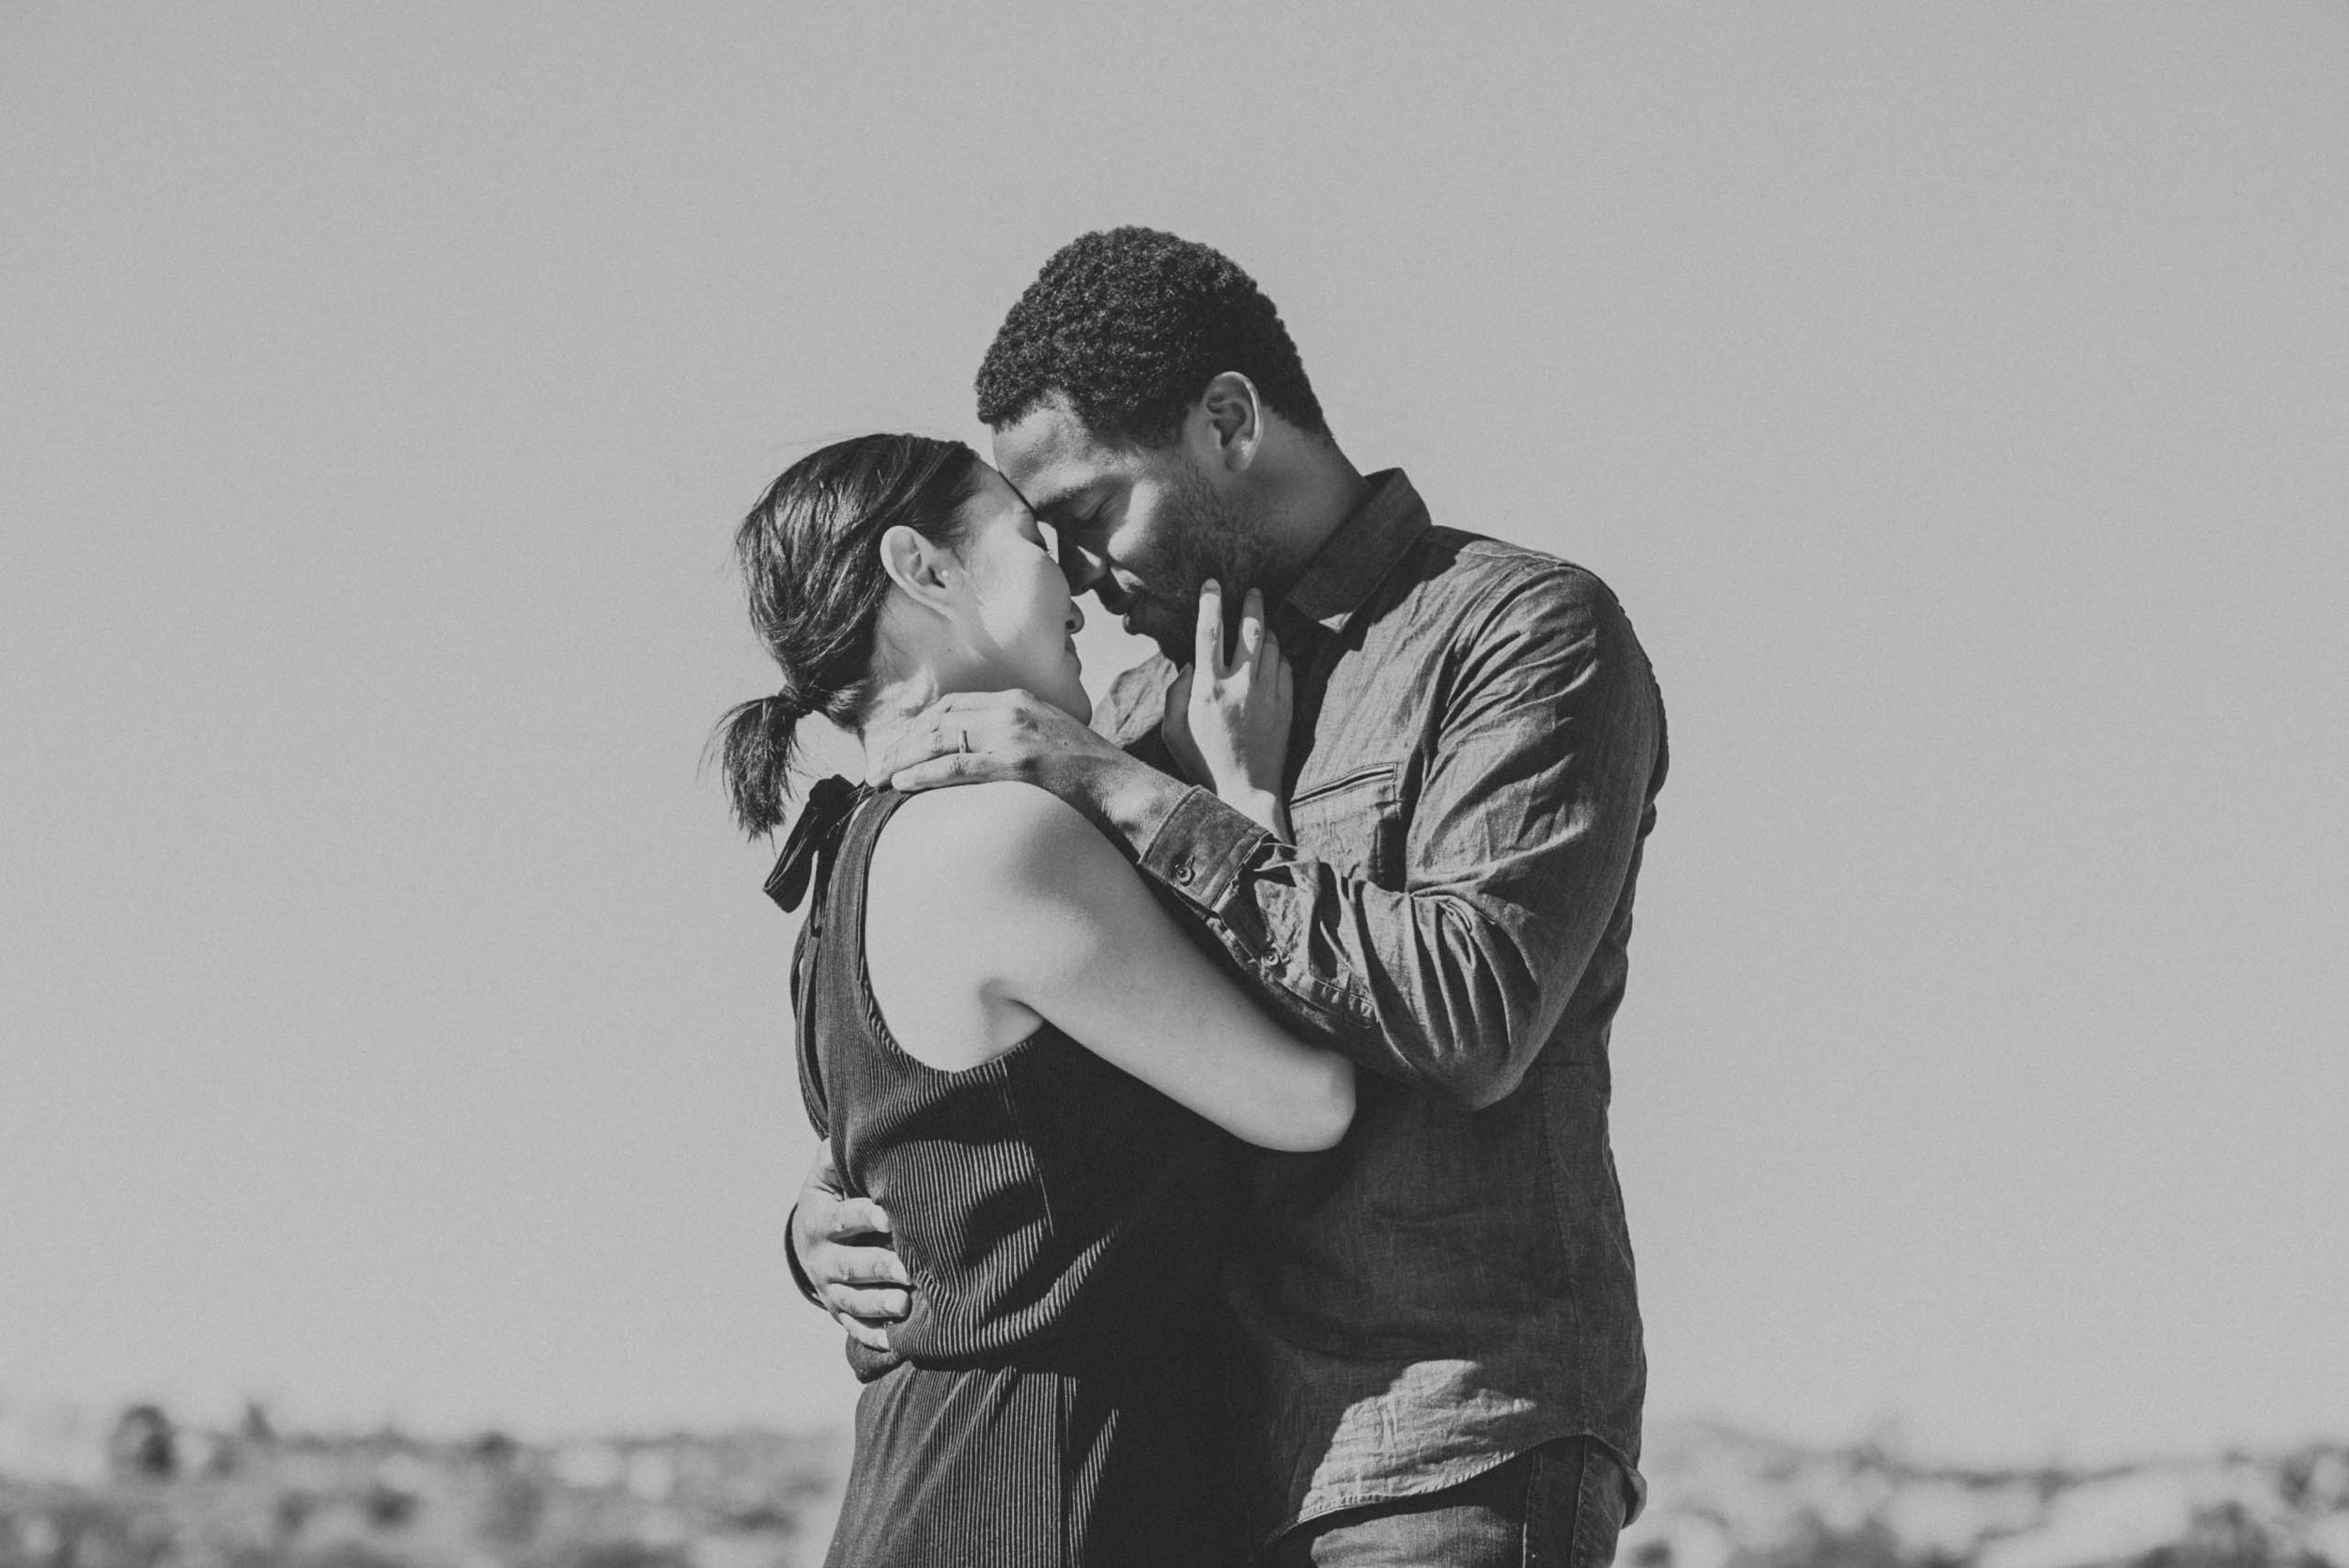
x: 754, y: 744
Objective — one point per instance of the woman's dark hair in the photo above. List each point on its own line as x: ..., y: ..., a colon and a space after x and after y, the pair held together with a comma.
x: 811, y: 562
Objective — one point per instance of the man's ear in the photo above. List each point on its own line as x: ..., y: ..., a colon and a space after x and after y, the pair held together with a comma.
x: 1227, y: 422
x: 922, y: 569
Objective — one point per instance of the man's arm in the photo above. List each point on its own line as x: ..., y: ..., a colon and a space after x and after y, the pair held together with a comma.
x: 1522, y: 834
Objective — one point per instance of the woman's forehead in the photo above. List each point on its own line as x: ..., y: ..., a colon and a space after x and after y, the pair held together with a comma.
x: 994, y: 498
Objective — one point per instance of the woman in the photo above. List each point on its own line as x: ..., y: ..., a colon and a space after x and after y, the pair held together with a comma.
x: 1007, y: 1041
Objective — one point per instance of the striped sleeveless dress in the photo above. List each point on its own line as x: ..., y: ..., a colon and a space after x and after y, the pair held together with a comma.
x: 1060, y: 1394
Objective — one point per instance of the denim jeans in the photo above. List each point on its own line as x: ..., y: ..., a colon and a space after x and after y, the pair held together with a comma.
x: 1560, y: 1506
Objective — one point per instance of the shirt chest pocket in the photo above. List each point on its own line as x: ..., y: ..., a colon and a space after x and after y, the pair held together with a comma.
x: 1352, y: 820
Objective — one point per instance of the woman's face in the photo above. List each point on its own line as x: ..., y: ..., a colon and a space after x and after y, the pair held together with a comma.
x: 1021, y: 623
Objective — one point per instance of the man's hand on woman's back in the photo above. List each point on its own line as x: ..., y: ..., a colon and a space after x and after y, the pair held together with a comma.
x: 851, y: 1266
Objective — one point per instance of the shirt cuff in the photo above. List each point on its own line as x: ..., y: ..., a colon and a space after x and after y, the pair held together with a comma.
x: 1201, y: 847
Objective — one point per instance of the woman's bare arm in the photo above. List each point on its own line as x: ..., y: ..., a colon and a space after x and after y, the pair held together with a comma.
x: 1022, y: 903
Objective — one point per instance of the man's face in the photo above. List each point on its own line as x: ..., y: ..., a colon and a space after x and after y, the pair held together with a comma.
x: 1140, y: 528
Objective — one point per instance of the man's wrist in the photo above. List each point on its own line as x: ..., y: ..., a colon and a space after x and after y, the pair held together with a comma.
x: 1126, y: 798
x: 1260, y: 806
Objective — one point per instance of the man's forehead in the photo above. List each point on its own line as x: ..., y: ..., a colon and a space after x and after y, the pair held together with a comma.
x: 1049, y: 455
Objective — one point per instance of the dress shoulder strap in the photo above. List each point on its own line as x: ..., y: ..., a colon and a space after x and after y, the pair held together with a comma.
x: 827, y: 992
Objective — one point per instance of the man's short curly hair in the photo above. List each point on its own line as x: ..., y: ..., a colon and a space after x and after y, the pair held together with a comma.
x: 1131, y: 324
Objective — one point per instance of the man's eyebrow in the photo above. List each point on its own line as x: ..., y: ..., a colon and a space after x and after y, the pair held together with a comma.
x: 1059, y: 503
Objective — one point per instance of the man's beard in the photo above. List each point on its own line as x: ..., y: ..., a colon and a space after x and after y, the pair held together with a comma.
x: 1211, y: 543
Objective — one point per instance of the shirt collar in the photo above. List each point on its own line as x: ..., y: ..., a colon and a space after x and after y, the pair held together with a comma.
x: 1367, y: 544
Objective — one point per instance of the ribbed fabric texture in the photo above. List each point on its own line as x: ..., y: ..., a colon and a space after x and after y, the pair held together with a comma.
x: 1059, y: 1395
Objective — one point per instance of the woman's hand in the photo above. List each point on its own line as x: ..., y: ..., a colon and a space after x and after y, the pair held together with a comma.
x: 1228, y: 722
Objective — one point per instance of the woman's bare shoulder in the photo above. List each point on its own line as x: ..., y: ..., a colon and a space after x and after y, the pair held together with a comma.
x: 965, y: 888
x: 983, y: 840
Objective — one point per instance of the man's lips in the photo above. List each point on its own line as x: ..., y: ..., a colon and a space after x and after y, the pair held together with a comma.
x: 1137, y: 606
x: 1142, y: 614
x: 1121, y: 597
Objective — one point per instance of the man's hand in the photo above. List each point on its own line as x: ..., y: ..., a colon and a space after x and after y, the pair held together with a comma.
x: 985, y: 737
x: 843, y: 1243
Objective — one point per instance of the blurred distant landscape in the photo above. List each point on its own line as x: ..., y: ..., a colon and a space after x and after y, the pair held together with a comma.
x: 140, y: 1491
x: 135, y: 1489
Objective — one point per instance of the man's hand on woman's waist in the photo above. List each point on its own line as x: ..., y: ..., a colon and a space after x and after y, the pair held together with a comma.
x: 843, y: 1258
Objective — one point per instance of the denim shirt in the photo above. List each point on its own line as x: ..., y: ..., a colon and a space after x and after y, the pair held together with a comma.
x: 1473, y: 769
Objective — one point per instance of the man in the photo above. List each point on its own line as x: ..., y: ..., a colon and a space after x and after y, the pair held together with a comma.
x: 1441, y: 1312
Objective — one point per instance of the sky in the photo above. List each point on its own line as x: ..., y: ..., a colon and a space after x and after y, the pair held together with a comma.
x: 391, y: 1024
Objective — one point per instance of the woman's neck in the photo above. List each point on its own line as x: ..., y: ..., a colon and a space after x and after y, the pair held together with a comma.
x: 896, y: 702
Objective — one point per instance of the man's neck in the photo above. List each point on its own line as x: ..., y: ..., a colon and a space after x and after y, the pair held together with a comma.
x: 1316, y: 489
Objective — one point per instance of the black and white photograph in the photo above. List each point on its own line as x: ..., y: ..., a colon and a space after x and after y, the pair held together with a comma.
x: 1066, y: 785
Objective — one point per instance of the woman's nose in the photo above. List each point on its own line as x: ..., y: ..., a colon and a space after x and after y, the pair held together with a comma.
x: 1076, y: 617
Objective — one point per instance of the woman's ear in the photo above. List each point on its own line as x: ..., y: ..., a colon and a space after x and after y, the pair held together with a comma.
x: 922, y: 569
